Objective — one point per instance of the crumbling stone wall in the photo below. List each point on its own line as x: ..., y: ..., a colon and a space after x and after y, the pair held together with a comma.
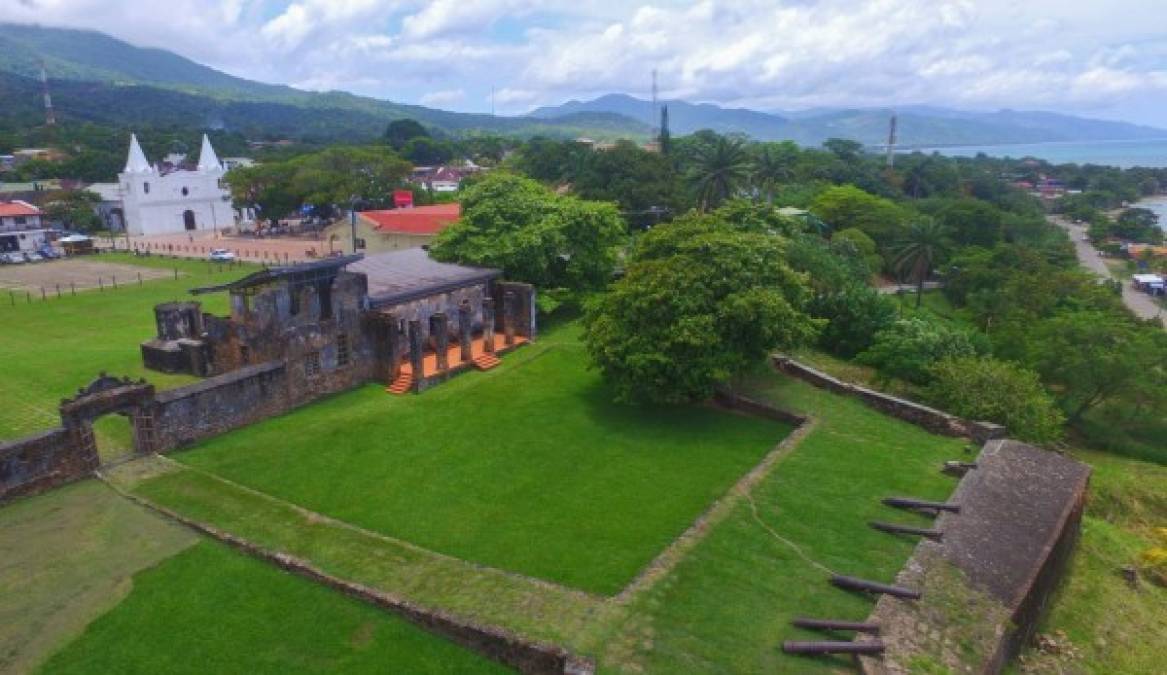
x: 936, y: 421
x: 219, y: 404
x: 42, y: 461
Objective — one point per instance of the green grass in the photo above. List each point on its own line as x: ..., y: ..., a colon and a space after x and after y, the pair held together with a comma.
x: 1115, y: 628
x: 728, y: 605
x: 211, y: 610
x: 66, y: 557
x: 51, y: 348
x: 528, y: 468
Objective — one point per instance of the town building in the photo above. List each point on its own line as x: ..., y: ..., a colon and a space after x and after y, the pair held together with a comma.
x: 402, y: 228
x: 157, y: 201
x: 21, y: 227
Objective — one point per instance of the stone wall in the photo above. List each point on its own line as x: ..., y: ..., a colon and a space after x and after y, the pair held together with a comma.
x: 936, y: 421
x: 42, y: 461
x: 219, y: 404
x: 986, y: 582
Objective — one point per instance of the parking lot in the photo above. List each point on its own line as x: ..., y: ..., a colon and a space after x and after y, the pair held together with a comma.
x: 72, y: 274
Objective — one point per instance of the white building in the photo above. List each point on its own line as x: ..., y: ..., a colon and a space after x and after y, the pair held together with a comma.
x: 154, y: 202
x: 21, y: 228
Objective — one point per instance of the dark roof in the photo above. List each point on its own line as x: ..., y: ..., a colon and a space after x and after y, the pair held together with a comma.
x: 409, y: 274
x: 318, y: 268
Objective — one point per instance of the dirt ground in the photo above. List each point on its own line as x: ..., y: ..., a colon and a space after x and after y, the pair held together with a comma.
x: 272, y: 251
x: 74, y: 273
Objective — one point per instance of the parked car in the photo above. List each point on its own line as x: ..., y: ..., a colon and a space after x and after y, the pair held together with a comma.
x: 33, y: 256
x: 48, y: 253
x: 12, y: 258
x: 222, y: 255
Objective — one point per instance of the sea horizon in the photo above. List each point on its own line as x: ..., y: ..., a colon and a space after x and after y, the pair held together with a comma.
x: 1123, y: 154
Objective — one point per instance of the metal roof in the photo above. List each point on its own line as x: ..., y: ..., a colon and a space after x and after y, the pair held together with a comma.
x: 408, y: 274
x: 315, y: 269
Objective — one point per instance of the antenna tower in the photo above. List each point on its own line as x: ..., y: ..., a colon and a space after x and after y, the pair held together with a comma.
x: 891, y: 142
x: 50, y: 117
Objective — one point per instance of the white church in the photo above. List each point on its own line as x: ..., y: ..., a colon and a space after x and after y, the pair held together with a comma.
x: 157, y: 202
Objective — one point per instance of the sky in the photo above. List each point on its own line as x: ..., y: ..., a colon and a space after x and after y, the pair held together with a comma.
x: 1100, y: 58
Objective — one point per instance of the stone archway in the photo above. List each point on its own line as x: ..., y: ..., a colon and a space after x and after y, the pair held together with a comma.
x: 106, y: 395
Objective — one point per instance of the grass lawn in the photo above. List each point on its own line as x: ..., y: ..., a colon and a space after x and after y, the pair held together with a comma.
x: 51, y: 348
x: 727, y: 606
x: 528, y: 468
x: 66, y: 557
x: 211, y: 610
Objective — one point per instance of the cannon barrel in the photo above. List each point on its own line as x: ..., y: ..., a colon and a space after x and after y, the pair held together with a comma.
x: 832, y: 624
x: 856, y: 584
x: 796, y: 647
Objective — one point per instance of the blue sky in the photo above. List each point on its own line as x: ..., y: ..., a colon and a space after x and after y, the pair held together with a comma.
x: 1103, y: 59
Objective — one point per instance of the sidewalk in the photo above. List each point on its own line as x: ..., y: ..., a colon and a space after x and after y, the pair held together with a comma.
x: 1139, y: 303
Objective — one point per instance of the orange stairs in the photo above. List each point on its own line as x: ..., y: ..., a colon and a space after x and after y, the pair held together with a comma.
x: 486, y: 361
x: 402, y: 385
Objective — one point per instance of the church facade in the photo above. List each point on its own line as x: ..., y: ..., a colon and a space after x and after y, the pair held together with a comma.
x: 159, y: 202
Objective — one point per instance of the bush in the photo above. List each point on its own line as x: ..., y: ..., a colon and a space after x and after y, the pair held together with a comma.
x: 855, y: 315
x: 909, y: 347
x: 996, y: 391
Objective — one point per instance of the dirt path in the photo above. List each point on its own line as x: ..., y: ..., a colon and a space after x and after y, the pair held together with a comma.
x: 1139, y: 303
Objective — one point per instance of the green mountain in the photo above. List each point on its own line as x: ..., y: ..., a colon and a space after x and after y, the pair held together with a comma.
x: 100, y: 79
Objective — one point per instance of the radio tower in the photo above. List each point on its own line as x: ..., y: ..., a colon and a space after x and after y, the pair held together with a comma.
x: 50, y: 117
x: 891, y: 142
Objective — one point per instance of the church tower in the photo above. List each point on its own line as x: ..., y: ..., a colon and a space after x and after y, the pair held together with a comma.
x: 178, y: 201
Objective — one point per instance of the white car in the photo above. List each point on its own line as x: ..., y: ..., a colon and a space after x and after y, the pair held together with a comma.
x: 222, y: 255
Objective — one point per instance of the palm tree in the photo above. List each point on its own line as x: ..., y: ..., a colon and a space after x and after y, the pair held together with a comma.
x: 720, y: 167
x: 770, y: 169
x: 926, y: 241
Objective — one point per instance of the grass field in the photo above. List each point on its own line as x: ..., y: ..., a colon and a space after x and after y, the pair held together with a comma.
x: 530, y: 468
x: 52, y: 347
x: 211, y: 610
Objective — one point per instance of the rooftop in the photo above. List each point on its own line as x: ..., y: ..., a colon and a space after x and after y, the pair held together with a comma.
x: 310, y: 271
x: 18, y: 208
x: 400, y: 276
x: 415, y: 220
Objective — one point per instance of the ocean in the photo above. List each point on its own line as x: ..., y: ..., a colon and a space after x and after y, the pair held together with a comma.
x: 1122, y: 154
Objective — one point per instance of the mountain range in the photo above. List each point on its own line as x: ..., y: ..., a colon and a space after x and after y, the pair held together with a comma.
x: 98, y: 78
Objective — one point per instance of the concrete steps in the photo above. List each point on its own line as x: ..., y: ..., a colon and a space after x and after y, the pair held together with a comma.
x: 402, y: 385
x: 486, y: 361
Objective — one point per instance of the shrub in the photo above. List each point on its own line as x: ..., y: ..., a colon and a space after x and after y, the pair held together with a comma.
x: 908, y: 348
x: 996, y: 391
x: 855, y: 314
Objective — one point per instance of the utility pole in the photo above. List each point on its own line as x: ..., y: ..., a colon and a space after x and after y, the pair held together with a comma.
x: 653, y: 113
x: 50, y: 116
x: 891, y: 142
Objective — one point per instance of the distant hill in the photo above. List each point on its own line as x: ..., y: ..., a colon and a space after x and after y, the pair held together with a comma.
x: 97, y: 78
x: 917, y: 125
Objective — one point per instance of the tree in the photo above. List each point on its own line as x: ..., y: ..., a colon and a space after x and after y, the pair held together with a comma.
x: 925, y: 243
x: 972, y: 222
x: 74, y: 210
x: 996, y: 391
x: 771, y: 168
x: 533, y: 234
x: 1090, y: 357
x: 854, y: 316
x: 845, y: 149
x: 426, y: 151
x: 642, y: 183
x: 720, y: 167
x: 908, y: 348
x: 400, y: 132
x: 847, y: 206
x: 854, y: 242
x: 1138, y: 224
x: 700, y: 302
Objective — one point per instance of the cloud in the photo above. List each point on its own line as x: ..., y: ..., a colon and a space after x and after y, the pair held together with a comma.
x: 1079, y: 57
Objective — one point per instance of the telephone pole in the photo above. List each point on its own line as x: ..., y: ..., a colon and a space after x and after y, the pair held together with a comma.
x: 50, y: 117
x: 891, y: 142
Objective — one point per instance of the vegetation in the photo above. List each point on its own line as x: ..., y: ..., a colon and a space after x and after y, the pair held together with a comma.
x: 700, y: 302
x: 602, y: 488
x: 996, y: 391
x: 535, y: 235
x: 910, y: 347
x: 210, y: 609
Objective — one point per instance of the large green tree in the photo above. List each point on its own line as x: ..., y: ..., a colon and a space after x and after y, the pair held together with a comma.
x: 700, y: 302
x: 996, y: 391
x: 534, y: 234
x: 847, y: 206
x: 924, y: 244
x: 720, y: 167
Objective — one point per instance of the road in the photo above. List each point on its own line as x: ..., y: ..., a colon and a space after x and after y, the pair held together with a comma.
x: 1139, y: 303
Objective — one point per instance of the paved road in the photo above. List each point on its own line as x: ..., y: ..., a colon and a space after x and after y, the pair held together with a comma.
x: 1139, y: 303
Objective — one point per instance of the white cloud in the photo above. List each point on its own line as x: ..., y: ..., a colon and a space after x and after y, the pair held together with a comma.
x: 1079, y: 56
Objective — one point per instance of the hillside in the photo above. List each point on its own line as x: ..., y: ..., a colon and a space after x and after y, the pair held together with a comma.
x: 918, y: 125
x: 97, y: 78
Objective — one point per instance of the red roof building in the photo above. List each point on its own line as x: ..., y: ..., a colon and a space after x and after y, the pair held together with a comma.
x: 17, y: 208
x: 419, y: 220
